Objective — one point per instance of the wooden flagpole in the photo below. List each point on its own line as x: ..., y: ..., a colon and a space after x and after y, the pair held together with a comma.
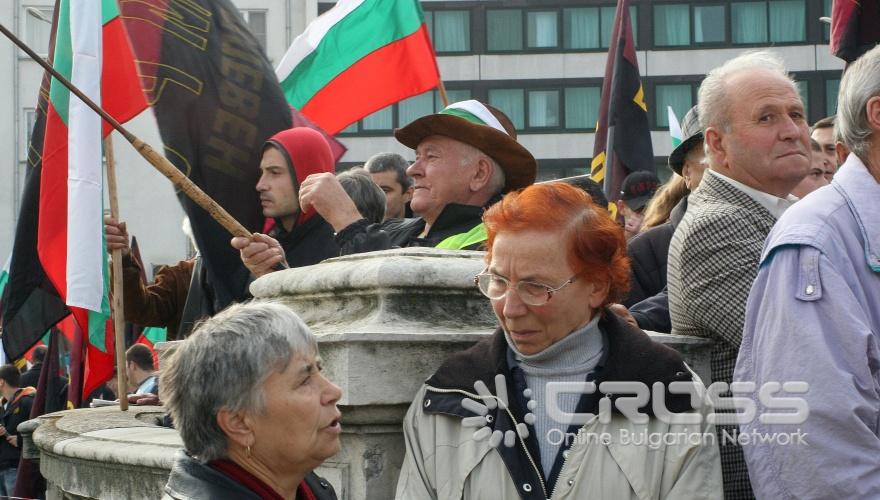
x: 443, y: 97
x: 117, y: 306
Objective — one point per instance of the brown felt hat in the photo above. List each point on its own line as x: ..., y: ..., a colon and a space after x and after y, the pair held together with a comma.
x: 483, y: 127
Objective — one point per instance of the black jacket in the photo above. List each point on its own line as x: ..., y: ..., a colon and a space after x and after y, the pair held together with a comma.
x: 648, y: 254
x: 630, y: 355
x: 192, y: 480
x: 361, y: 236
x: 17, y: 411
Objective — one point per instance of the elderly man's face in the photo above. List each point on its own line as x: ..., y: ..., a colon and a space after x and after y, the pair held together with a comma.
x: 300, y: 427
x: 440, y: 176
x: 767, y: 143
x: 825, y: 138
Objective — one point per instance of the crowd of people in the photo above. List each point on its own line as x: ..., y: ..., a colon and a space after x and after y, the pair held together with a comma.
x: 765, y: 241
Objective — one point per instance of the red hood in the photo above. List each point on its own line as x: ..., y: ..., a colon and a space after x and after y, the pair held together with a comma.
x: 308, y: 153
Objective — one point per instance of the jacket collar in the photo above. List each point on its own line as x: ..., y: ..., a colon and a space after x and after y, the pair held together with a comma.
x: 632, y: 357
x: 713, y: 187
x: 678, y: 211
x: 861, y: 192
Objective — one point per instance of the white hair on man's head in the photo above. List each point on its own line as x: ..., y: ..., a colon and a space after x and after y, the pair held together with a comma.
x: 471, y: 155
x: 713, y: 101
x: 860, y: 83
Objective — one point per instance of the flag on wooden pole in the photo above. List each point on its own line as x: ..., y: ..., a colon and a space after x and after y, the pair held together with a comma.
x: 674, y: 128
x: 357, y: 58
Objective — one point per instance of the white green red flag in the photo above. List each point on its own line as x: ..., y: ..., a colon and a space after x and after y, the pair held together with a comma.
x: 92, y: 50
x: 357, y: 58
x: 674, y: 128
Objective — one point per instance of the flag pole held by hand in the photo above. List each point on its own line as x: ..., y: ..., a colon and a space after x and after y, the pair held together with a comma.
x: 180, y: 181
x: 116, y: 290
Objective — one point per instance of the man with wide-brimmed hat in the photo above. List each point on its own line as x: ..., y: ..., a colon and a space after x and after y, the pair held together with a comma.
x: 467, y: 156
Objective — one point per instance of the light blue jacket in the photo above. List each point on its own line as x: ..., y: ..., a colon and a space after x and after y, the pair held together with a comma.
x: 813, y: 315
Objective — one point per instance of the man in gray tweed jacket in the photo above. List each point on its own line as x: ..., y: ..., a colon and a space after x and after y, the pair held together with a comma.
x: 757, y: 145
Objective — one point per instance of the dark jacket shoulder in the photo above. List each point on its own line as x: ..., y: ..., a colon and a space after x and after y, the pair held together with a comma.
x: 192, y: 480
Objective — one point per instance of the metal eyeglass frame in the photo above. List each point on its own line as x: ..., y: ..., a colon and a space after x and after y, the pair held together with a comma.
x: 550, y: 290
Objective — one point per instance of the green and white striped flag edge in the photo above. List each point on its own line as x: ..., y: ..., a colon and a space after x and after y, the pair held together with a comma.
x: 674, y: 128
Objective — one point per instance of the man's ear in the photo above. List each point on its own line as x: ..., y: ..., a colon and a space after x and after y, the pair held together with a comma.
x: 237, y: 426
x: 873, y: 113
x: 482, y: 174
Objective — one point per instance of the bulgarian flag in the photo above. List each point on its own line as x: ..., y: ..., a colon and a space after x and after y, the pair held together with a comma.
x: 674, y: 128
x: 357, y: 58
x: 70, y: 237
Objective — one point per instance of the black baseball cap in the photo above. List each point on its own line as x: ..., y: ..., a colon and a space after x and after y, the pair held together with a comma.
x: 638, y: 188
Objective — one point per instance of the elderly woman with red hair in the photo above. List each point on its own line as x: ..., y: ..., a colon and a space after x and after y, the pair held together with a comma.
x: 565, y: 400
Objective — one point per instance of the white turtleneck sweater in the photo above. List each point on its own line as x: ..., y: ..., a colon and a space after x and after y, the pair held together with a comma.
x: 568, y: 360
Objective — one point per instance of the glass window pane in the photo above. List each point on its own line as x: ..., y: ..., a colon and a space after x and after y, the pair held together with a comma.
x: 504, y: 30
x: 748, y: 22
x: 454, y: 95
x: 380, y: 120
x: 709, y: 24
x: 804, y: 91
x: 582, y: 107
x: 672, y: 25
x: 544, y: 108
x: 256, y: 20
x: 581, y: 28
x: 351, y: 129
x: 832, y: 87
x: 788, y: 21
x: 415, y: 107
x: 542, y: 28
x: 452, y: 31
x: 679, y: 96
x: 511, y: 102
x: 607, y: 20
x: 38, y: 30
x: 826, y: 29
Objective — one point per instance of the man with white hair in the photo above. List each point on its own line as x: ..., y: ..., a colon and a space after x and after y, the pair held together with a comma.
x: 813, y: 316
x: 467, y: 156
x: 757, y: 147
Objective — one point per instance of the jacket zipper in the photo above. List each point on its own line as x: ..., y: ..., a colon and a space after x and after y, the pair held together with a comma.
x: 519, y: 438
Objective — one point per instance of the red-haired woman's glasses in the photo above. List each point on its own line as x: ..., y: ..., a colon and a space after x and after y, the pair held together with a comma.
x: 534, y: 294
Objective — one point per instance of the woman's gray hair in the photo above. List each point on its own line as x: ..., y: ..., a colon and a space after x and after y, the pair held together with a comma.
x: 713, y: 101
x: 224, y: 364
x: 860, y: 83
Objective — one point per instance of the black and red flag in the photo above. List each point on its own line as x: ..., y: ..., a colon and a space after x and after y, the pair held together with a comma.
x: 855, y: 28
x: 623, y: 139
x: 31, y: 304
x: 216, y: 100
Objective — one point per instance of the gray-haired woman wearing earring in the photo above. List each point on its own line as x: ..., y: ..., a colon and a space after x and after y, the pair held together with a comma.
x: 254, y: 411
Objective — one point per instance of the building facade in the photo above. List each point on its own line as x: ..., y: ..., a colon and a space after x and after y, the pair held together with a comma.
x: 542, y: 62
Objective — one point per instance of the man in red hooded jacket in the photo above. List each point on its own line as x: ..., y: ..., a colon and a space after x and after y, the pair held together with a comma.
x: 300, y: 238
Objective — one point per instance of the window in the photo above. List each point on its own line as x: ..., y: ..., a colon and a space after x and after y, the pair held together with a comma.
x: 510, y: 101
x: 415, y: 107
x: 581, y: 28
x: 380, y: 120
x: 672, y: 25
x: 826, y: 28
x: 542, y: 29
x: 38, y: 28
x: 777, y: 21
x: 504, y: 29
x: 450, y: 30
x: 832, y: 87
x: 543, y: 108
x: 256, y: 21
x: 709, y: 24
x: 582, y: 107
x: 679, y: 96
